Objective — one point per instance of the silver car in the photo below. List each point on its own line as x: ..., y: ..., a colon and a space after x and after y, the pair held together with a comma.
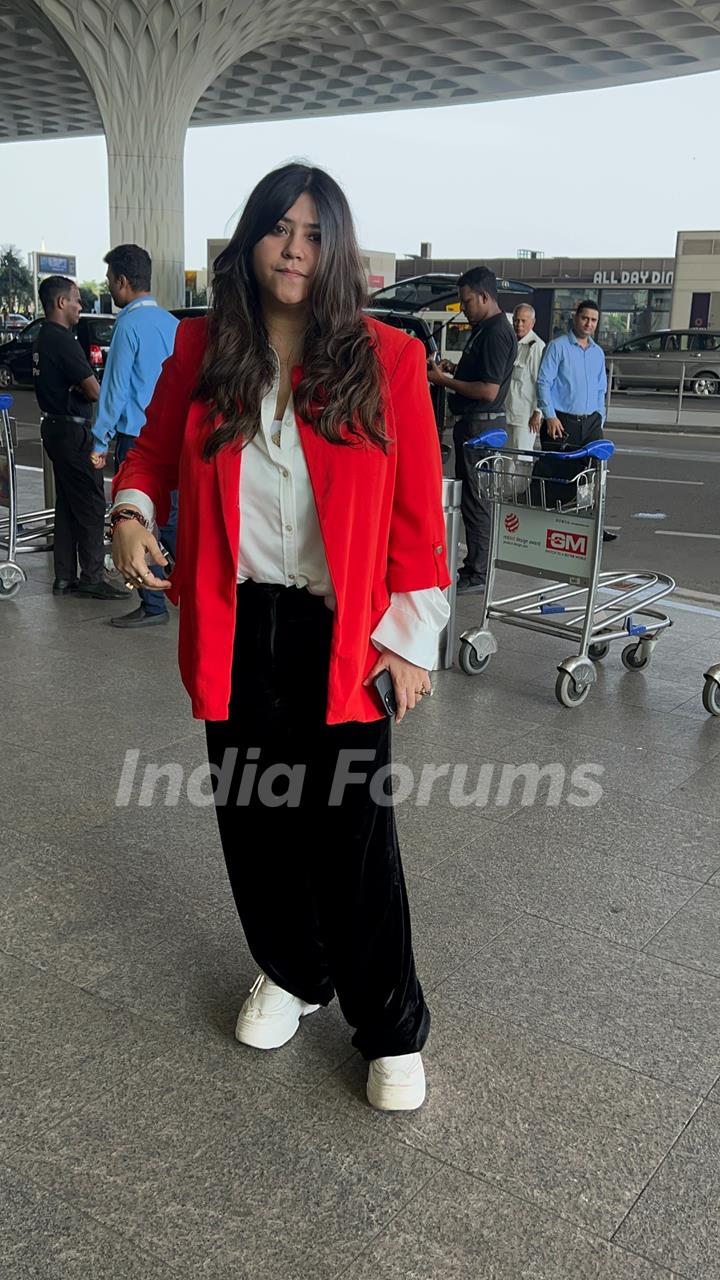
x: 658, y: 361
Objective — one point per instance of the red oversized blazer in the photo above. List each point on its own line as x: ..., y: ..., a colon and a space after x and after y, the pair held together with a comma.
x: 380, y: 516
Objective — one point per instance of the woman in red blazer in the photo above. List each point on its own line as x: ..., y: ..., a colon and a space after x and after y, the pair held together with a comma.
x: 310, y: 557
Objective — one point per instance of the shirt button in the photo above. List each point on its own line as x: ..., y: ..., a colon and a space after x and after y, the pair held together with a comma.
x: 288, y: 528
x: 284, y: 473
x: 291, y: 576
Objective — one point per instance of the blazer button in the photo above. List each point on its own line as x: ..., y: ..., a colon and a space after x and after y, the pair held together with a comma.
x: 438, y: 551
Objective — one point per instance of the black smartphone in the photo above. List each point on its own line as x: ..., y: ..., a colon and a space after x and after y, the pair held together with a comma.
x: 168, y: 568
x: 386, y: 693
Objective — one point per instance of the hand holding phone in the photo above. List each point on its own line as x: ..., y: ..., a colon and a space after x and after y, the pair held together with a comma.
x: 383, y: 683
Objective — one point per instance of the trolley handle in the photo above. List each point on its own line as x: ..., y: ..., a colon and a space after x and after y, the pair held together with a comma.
x: 601, y: 449
x: 488, y: 440
x: 6, y: 402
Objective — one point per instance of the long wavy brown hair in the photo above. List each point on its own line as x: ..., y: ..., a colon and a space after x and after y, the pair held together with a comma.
x: 341, y: 390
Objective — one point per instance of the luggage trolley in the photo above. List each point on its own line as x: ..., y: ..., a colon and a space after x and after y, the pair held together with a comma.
x: 11, y: 575
x: 29, y: 531
x: 561, y: 542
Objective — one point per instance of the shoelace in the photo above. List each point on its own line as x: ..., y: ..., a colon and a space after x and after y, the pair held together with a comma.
x: 257, y: 986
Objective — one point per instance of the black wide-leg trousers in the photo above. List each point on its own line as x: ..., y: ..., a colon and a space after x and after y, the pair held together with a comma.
x: 310, y: 847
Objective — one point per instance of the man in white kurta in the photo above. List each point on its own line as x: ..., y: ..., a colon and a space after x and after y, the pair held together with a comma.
x: 521, y: 407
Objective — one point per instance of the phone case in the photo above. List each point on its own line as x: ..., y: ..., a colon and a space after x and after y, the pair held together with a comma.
x: 386, y: 692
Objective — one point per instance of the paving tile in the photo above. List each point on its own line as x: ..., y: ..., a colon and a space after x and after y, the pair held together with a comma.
x: 41, y: 1238
x: 676, y: 1219
x: 634, y: 769
x: 700, y: 793
x: 449, y: 925
x: 430, y: 835
x: 513, y: 1108
x: 61, y: 1047
x: 692, y: 937
x: 270, y: 1186
x: 626, y: 1007
x: 597, y: 891
x: 625, y: 722
x: 459, y: 1228
x: 641, y: 831
x: 78, y: 922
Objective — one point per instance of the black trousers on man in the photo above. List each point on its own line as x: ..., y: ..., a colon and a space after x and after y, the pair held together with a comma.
x: 474, y: 509
x: 79, y: 501
x: 319, y: 886
x: 580, y: 430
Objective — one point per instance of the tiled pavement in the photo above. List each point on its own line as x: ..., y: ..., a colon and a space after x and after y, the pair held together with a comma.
x: 571, y: 955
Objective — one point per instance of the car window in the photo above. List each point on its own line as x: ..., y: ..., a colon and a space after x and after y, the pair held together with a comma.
x: 457, y: 336
x: 30, y: 332
x: 677, y: 342
x: 101, y: 331
x: 705, y: 341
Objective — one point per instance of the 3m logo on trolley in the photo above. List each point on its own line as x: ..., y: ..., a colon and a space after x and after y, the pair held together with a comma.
x: 575, y: 544
x: 512, y: 523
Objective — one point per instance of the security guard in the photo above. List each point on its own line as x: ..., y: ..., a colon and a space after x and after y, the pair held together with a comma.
x: 66, y: 388
x: 479, y: 385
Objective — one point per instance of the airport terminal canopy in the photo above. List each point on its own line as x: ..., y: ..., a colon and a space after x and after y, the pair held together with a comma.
x: 142, y: 71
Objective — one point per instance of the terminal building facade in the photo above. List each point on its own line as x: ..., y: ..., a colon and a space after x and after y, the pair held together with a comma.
x: 634, y: 294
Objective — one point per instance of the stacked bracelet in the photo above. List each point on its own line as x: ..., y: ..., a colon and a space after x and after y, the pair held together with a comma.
x: 123, y: 514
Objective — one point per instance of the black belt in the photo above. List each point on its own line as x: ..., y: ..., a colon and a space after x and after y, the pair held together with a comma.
x: 578, y: 417
x: 64, y: 417
x: 482, y: 417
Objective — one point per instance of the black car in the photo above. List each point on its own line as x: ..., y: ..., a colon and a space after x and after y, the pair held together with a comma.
x: 93, y: 332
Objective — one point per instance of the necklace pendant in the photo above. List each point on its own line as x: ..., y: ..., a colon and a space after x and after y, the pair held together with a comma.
x: 275, y: 437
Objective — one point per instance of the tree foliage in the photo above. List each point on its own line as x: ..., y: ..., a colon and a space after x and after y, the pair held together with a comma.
x: 16, y: 282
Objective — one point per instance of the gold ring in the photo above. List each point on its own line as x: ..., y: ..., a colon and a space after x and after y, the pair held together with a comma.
x: 130, y: 586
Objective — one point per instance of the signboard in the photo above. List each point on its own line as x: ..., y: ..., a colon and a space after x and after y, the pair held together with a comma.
x: 633, y: 277
x: 191, y: 280
x: 56, y: 264
x: 375, y: 281
x: 559, y: 545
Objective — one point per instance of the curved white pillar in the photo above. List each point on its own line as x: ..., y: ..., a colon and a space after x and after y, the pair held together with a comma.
x: 148, y: 63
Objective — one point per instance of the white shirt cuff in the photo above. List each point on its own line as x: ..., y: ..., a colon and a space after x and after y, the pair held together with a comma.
x: 411, y: 625
x: 136, y: 498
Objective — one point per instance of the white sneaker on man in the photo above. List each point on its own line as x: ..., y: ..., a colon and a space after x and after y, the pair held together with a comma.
x: 270, y: 1016
x: 396, y: 1084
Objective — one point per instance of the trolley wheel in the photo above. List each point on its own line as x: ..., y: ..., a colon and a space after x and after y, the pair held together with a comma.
x: 6, y: 378
x: 711, y: 696
x: 635, y: 657
x: 469, y: 661
x: 8, y: 591
x: 598, y: 651
x: 567, y: 692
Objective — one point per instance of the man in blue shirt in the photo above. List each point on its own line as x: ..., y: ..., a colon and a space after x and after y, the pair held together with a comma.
x: 143, y: 338
x: 571, y: 389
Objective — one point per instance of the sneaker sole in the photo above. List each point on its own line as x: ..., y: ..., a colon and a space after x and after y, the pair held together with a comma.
x: 256, y: 1038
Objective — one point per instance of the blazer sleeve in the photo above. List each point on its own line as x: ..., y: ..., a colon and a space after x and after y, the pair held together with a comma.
x: 151, y: 466
x: 417, y: 555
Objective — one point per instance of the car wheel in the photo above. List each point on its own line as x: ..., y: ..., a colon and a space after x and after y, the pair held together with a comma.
x: 6, y: 378
x: 705, y: 384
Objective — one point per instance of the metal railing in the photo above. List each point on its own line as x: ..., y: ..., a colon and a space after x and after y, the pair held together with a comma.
x: 676, y: 405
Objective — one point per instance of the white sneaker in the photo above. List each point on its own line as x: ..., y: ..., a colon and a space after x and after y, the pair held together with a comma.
x: 270, y: 1016
x: 396, y: 1084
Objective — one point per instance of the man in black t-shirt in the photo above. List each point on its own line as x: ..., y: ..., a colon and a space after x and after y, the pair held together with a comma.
x: 479, y: 385
x: 66, y: 387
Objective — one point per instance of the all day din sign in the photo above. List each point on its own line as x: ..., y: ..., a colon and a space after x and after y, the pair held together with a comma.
x: 633, y: 277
